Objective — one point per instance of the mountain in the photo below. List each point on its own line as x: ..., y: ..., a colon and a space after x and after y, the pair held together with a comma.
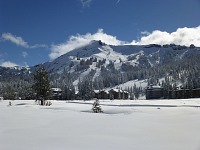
x: 135, y: 55
x: 124, y: 58
x: 7, y: 72
x: 100, y: 66
x: 98, y: 54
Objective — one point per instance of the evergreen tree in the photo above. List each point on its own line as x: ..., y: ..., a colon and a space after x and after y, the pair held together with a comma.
x: 136, y: 91
x: 69, y: 92
x: 96, y: 108
x: 42, y: 85
x: 86, y: 89
x: 9, y: 93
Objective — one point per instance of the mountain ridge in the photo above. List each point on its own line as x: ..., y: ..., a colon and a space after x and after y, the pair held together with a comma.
x: 124, y: 52
x: 121, y: 55
x: 99, y: 66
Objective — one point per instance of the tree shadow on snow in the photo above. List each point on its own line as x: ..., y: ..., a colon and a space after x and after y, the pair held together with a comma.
x: 137, y: 105
x: 21, y: 104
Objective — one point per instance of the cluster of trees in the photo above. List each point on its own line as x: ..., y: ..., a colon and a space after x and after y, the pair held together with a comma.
x: 31, y: 86
x: 14, y: 87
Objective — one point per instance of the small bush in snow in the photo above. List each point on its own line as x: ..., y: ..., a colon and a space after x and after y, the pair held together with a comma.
x: 96, y: 108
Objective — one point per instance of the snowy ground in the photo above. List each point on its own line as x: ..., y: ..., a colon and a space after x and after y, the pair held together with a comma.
x: 124, y: 125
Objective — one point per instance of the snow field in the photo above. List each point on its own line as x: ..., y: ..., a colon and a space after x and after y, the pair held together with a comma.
x: 125, y: 124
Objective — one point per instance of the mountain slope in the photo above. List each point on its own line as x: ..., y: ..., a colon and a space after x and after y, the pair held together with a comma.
x: 98, y: 60
x: 102, y: 66
x: 131, y: 55
x: 148, y: 55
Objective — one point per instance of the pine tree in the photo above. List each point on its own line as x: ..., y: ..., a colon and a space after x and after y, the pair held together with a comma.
x: 42, y: 85
x: 96, y: 108
x: 9, y: 93
x: 86, y: 89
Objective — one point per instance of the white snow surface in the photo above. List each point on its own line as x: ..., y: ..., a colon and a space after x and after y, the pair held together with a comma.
x: 124, y: 125
x: 124, y: 86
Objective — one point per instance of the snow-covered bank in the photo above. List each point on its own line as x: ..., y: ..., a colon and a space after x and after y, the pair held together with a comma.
x: 140, y: 125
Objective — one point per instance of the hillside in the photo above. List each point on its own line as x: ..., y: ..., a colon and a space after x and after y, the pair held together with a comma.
x: 99, y: 61
x: 147, y: 55
x: 100, y: 66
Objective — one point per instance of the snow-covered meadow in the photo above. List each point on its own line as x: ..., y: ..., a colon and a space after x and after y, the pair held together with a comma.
x: 124, y: 125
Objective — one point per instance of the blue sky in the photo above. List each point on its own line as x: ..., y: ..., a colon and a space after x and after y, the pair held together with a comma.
x: 36, y: 31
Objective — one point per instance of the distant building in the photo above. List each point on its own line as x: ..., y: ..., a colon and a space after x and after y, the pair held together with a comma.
x: 126, y: 95
x: 154, y: 92
x: 56, y: 93
x: 118, y: 94
x: 196, y: 93
x: 101, y: 94
x: 184, y: 93
x: 111, y: 94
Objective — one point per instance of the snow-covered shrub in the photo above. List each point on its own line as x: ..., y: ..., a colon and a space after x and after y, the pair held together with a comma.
x: 96, y: 108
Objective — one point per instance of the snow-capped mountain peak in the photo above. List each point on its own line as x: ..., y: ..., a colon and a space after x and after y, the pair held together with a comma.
x: 149, y: 55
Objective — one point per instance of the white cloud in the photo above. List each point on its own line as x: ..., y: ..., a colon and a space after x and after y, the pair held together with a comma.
x: 19, y: 41
x: 38, y: 46
x: 24, y: 54
x: 81, y: 40
x: 86, y: 3
x: 182, y: 36
x: 14, y: 39
x: 8, y: 64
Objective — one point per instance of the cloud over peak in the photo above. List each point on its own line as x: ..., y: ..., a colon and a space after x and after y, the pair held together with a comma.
x: 182, y: 36
x: 81, y: 40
